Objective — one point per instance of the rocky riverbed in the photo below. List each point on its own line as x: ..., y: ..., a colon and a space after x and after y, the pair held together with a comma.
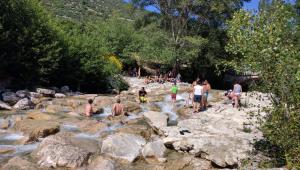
x: 44, y: 130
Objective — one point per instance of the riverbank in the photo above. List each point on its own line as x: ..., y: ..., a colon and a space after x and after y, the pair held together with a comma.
x: 156, y: 135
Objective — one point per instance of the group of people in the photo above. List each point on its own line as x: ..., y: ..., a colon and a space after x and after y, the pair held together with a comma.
x: 163, y: 78
x: 198, y: 95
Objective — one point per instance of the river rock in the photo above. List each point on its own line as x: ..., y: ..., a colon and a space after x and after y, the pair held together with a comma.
x: 22, y: 93
x: 37, y: 115
x: 156, y: 150
x: 65, y: 89
x: 123, y: 146
x: 4, y: 106
x: 4, y: 123
x: 37, y: 128
x: 10, y: 98
x: 64, y: 150
x: 156, y: 119
x: 45, y: 92
x: 62, y: 156
x: 23, y: 104
x: 137, y: 129
x: 6, y: 149
x: 59, y: 95
x: 35, y: 95
x: 90, y: 126
x: 132, y: 107
x: 58, y: 109
x: 101, y: 163
x: 18, y: 163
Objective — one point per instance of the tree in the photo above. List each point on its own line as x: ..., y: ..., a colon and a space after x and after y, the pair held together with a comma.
x: 265, y: 44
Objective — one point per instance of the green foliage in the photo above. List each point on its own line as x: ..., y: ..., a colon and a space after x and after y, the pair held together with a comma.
x: 30, y: 48
x: 265, y: 44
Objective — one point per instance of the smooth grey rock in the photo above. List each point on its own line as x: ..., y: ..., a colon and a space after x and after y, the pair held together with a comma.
x: 156, y: 119
x: 45, y: 92
x: 10, y: 98
x: 123, y: 146
x: 23, y: 93
x: 4, y: 106
x: 59, y: 95
x: 23, y: 104
x: 156, y: 150
x: 65, y: 89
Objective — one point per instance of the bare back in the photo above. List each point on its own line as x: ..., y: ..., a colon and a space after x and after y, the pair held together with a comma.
x: 118, y: 109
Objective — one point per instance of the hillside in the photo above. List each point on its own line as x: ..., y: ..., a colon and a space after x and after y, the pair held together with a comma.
x: 88, y: 9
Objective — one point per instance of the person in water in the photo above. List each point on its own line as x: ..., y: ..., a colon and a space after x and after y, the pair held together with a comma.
x: 118, y: 109
x: 174, y: 90
x: 89, y: 108
x: 191, y: 95
x: 236, y: 94
x: 143, y: 95
x: 206, y: 90
x: 198, y: 91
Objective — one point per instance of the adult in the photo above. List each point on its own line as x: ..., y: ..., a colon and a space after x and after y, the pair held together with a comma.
x: 143, y: 95
x: 174, y: 90
x: 89, y: 108
x: 178, y: 77
x: 237, y: 90
x: 198, y: 91
x: 191, y: 95
x: 206, y: 90
x: 118, y: 108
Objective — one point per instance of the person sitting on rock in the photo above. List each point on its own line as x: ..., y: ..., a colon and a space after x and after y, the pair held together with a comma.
x: 118, y: 109
x: 89, y: 108
x: 143, y: 95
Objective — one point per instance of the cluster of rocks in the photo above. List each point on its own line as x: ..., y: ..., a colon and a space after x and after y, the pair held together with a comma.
x: 24, y: 99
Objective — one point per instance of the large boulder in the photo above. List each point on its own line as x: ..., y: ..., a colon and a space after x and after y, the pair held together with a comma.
x: 37, y: 115
x: 35, y: 95
x: 137, y: 129
x: 65, y: 89
x: 4, y: 106
x: 23, y: 93
x: 4, y: 123
x: 132, y: 107
x: 101, y: 163
x: 62, y: 156
x: 18, y: 163
x: 10, y: 98
x: 45, y: 92
x: 122, y: 146
x: 23, y: 104
x: 64, y: 150
x: 156, y: 150
x: 37, y: 128
x: 59, y: 95
x: 156, y: 119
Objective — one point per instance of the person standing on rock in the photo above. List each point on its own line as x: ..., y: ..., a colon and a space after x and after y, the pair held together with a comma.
x: 174, y: 90
x: 191, y: 95
x: 237, y: 90
x: 198, y: 91
x: 118, y: 109
x: 143, y: 95
x: 206, y: 89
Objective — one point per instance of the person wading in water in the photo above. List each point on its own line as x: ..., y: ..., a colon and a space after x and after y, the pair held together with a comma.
x: 143, y: 95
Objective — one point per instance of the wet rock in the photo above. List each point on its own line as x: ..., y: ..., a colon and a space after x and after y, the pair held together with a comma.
x: 154, y: 107
x: 37, y: 128
x: 45, y: 92
x: 156, y: 119
x: 6, y: 150
x: 37, y: 115
x: 101, y: 163
x: 142, y: 130
x: 23, y: 93
x: 157, y: 98
x: 58, y: 109
x: 132, y: 107
x: 156, y: 150
x: 123, y: 146
x: 90, y: 126
x: 65, y: 89
x: 4, y: 106
x: 18, y: 163
x: 59, y: 95
x: 10, y: 98
x: 4, y: 123
x: 23, y: 104
x: 74, y: 114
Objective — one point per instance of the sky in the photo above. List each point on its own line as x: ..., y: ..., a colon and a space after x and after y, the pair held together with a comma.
x: 252, y: 5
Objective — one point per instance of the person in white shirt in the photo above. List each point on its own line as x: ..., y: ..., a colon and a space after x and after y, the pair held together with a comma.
x: 198, y: 91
